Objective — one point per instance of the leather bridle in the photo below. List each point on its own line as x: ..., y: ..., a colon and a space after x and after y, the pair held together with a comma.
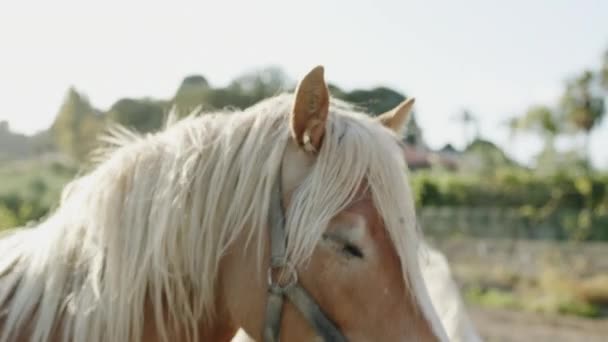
x: 279, y: 289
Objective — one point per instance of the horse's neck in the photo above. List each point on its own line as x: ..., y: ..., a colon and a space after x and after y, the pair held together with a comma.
x: 220, y: 330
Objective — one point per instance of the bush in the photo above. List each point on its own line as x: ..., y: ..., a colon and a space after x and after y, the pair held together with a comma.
x: 8, y: 219
x: 30, y: 189
x: 575, y: 204
x: 18, y: 211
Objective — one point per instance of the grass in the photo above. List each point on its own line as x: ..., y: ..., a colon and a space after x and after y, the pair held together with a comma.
x: 552, y: 292
x: 492, y: 298
x: 551, y: 304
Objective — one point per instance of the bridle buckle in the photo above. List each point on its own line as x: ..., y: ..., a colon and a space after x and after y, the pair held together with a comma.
x: 286, y: 275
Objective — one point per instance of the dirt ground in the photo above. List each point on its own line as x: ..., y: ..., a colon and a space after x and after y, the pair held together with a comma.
x: 510, y: 326
x: 526, y: 259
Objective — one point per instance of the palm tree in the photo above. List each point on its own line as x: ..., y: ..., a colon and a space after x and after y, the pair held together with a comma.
x: 466, y: 119
x: 583, y: 106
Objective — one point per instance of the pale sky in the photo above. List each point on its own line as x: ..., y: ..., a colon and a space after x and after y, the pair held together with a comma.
x: 495, y: 58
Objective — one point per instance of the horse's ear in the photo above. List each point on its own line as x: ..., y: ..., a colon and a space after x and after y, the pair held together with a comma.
x: 397, y: 118
x: 310, y: 110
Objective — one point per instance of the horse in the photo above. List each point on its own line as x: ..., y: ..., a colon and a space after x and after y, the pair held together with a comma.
x: 444, y: 294
x: 292, y: 220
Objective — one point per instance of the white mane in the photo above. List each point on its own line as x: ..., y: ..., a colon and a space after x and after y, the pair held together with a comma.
x: 151, y: 222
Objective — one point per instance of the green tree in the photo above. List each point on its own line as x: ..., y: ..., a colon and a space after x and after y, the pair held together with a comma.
x: 541, y: 120
x: 583, y: 105
x: 376, y: 100
x: 142, y: 115
x: 546, y: 123
x: 413, y: 133
x: 335, y: 91
x: 76, y: 125
x: 484, y: 158
x: 242, y: 92
x: 603, y: 73
x: 257, y: 85
x: 192, y: 92
x: 8, y: 219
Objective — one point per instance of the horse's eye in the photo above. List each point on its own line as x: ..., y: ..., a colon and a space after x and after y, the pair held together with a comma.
x: 352, y: 250
x: 339, y: 244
